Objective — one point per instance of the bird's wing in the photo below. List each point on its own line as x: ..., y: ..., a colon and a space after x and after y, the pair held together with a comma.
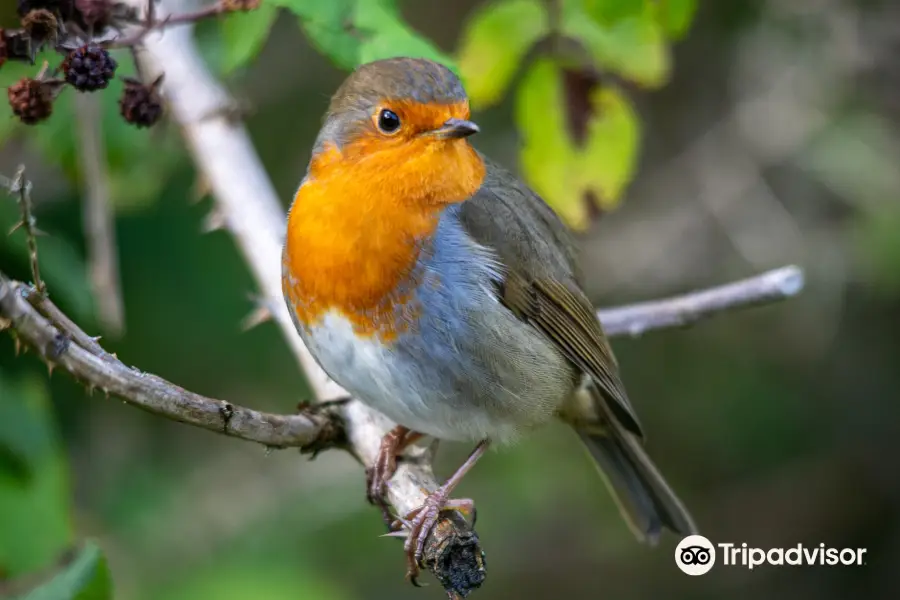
x: 541, y: 282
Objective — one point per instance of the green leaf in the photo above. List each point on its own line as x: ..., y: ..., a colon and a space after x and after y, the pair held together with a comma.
x: 634, y: 46
x: 607, y: 12
x: 610, y: 154
x: 86, y: 577
x: 385, y: 35
x: 335, y: 12
x: 567, y: 174
x: 495, y: 41
x: 546, y: 153
x: 336, y: 43
x: 327, y: 26
x: 245, y: 34
x: 34, y: 513
x: 675, y: 16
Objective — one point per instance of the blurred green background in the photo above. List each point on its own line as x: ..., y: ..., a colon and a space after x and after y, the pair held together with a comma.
x: 775, y: 140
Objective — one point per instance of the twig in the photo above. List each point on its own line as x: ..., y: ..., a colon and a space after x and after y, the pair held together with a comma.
x: 99, y: 220
x: 636, y: 319
x: 57, y: 317
x: 58, y: 346
x: 152, y: 23
x: 21, y: 186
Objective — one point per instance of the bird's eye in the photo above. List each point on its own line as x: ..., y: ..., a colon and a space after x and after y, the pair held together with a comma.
x: 388, y: 121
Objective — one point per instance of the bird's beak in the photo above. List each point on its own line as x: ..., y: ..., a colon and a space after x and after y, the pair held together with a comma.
x: 454, y: 129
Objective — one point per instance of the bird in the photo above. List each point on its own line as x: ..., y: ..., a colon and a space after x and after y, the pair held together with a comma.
x: 439, y: 289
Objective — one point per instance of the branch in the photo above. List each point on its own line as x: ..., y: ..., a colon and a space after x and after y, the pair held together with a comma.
x: 22, y: 187
x: 99, y: 218
x: 58, y: 344
x: 636, y: 319
x: 153, y: 23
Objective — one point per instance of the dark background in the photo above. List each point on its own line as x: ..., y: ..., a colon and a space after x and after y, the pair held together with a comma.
x: 776, y: 142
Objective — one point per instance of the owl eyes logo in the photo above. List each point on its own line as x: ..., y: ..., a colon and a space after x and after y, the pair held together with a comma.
x: 695, y: 555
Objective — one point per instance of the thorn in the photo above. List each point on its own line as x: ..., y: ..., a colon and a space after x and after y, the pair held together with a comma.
x: 271, y: 449
x: 18, y: 346
x: 201, y: 189
x: 214, y: 221
x: 106, y: 392
x: 50, y: 367
x: 257, y: 316
x: 114, y: 355
x: 89, y: 388
x: 16, y: 227
x: 232, y: 113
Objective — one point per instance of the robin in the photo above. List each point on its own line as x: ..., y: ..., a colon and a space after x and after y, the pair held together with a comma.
x: 443, y: 292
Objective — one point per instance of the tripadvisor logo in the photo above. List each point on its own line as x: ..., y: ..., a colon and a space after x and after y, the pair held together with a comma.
x: 696, y: 555
x: 798, y: 555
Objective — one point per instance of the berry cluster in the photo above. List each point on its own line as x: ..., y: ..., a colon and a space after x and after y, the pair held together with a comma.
x: 89, y: 68
x: 83, y: 31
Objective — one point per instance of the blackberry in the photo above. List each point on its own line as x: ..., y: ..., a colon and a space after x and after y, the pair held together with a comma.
x: 30, y: 100
x: 41, y: 25
x: 140, y: 104
x: 89, y: 68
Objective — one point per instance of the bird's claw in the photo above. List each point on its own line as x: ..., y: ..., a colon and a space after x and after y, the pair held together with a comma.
x: 384, y: 468
x: 417, y: 525
x: 393, y: 444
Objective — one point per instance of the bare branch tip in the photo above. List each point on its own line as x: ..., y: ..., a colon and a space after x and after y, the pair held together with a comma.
x: 789, y: 280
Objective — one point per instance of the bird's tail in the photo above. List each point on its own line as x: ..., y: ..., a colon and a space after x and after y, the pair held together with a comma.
x: 644, y: 498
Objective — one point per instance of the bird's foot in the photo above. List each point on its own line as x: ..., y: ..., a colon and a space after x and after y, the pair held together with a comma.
x: 416, y: 526
x: 393, y: 444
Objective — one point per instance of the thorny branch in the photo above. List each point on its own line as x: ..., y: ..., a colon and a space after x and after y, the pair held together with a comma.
x: 152, y: 23
x: 30, y: 317
x: 22, y: 188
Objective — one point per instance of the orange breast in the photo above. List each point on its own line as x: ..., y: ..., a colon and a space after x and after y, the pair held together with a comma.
x: 358, y: 227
